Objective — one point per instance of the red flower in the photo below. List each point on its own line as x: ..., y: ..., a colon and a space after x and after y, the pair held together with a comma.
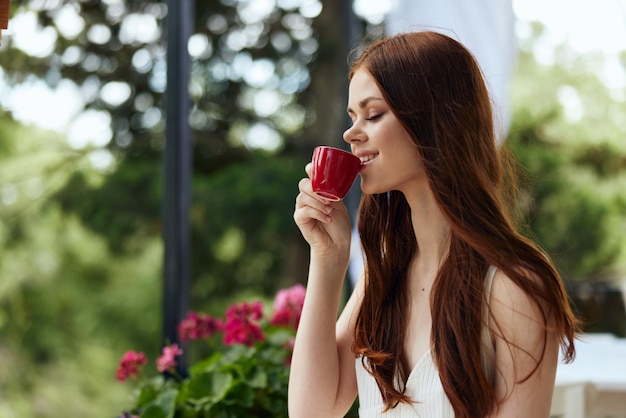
x: 245, y: 311
x: 196, y: 326
x: 242, y: 326
x: 167, y: 359
x: 243, y: 332
x: 130, y: 365
x: 288, y: 306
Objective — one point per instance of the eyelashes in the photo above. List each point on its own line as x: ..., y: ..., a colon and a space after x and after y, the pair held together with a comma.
x: 375, y: 117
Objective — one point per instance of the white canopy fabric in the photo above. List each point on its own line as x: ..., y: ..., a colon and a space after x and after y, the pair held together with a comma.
x: 487, y: 28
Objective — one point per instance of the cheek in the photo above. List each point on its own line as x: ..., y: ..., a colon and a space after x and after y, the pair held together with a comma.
x: 408, y: 161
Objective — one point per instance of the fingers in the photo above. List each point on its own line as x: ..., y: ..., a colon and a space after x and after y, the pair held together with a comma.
x: 311, y: 206
x: 308, y: 169
x: 324, y: 224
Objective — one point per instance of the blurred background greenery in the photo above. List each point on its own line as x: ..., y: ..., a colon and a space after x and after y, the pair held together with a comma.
x: 80, y: 232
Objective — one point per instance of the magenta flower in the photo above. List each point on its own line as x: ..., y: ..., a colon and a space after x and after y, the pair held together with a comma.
x: 197, y: 326
x: 243, y: 332
x: 130, y: 365
x: 245, y: 311
x: 242, y: 324
x: 288, y: 306
x: 167, y: 359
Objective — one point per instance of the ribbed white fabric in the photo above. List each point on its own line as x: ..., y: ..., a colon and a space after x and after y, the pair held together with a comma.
x: 423, y: 385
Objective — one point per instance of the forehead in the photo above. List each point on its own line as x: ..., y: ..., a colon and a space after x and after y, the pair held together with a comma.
x: 362, y: 85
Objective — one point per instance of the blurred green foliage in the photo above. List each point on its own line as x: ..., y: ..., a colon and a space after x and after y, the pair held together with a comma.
x: 68, y: 305
x: 574, y: 160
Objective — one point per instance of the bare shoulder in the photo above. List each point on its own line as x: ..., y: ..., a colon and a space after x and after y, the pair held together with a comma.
x: 526, y: 348
x: 511, y: 304
x: 517, y: 318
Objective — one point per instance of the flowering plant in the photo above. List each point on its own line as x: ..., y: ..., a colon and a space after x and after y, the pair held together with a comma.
x: 245, y: 376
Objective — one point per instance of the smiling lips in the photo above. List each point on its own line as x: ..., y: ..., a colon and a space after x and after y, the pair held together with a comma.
x: 367, y: 158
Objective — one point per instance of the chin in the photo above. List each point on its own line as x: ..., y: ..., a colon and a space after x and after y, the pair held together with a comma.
x: 372, y: 190
x: 373, y: 187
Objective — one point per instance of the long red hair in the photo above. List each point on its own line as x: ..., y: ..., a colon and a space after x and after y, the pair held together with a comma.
x: 435, y: 88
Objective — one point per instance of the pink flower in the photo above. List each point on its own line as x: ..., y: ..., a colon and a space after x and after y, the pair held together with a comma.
x: 290, y: 297
x: 130, y: 365
x: 167, y: 359
x: 288, y: 306
x: 196, y: 326
x: 242, y: 326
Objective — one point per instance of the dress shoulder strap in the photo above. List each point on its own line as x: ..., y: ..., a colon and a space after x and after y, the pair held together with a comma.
x: 489, y: 282
x: 488, y: 350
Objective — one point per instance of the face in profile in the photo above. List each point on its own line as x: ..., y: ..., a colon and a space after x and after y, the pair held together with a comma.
x: 390, y: 160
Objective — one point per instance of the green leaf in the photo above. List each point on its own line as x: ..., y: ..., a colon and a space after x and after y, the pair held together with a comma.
x: 209, y: 388
x: 241, y: 395
x: 150, y: 391
x: 167, y: 401
x: 257, y: 379
x: 153, y: 411
x: 206, y: 364
x: 278, y: 336
x: 237, y: 352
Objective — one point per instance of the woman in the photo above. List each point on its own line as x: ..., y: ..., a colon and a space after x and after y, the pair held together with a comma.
x: 457, y: 314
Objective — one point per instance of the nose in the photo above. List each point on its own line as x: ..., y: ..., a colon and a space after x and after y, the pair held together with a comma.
x: 353, y: 134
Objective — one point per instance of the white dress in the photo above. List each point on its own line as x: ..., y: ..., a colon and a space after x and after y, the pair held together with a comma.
x: 423, y: 385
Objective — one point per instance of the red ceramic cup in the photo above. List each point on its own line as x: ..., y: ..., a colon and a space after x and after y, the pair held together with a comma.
x: 334, y: 170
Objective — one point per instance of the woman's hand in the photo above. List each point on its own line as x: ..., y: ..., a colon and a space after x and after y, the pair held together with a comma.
x: 324, y: 224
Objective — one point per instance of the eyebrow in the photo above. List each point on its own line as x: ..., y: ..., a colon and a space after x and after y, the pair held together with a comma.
x: 364, y: 102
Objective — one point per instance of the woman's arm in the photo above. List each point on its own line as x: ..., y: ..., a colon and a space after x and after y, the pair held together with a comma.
x: 322, y: 380
x: 521, y: 342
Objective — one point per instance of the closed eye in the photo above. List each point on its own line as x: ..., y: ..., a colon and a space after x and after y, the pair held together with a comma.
x: 375, y: 117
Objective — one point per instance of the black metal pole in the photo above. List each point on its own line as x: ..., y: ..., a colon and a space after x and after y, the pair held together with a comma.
x: 178, y: 163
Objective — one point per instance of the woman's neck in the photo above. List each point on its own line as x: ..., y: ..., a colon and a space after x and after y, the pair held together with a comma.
x: 432, y: 230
